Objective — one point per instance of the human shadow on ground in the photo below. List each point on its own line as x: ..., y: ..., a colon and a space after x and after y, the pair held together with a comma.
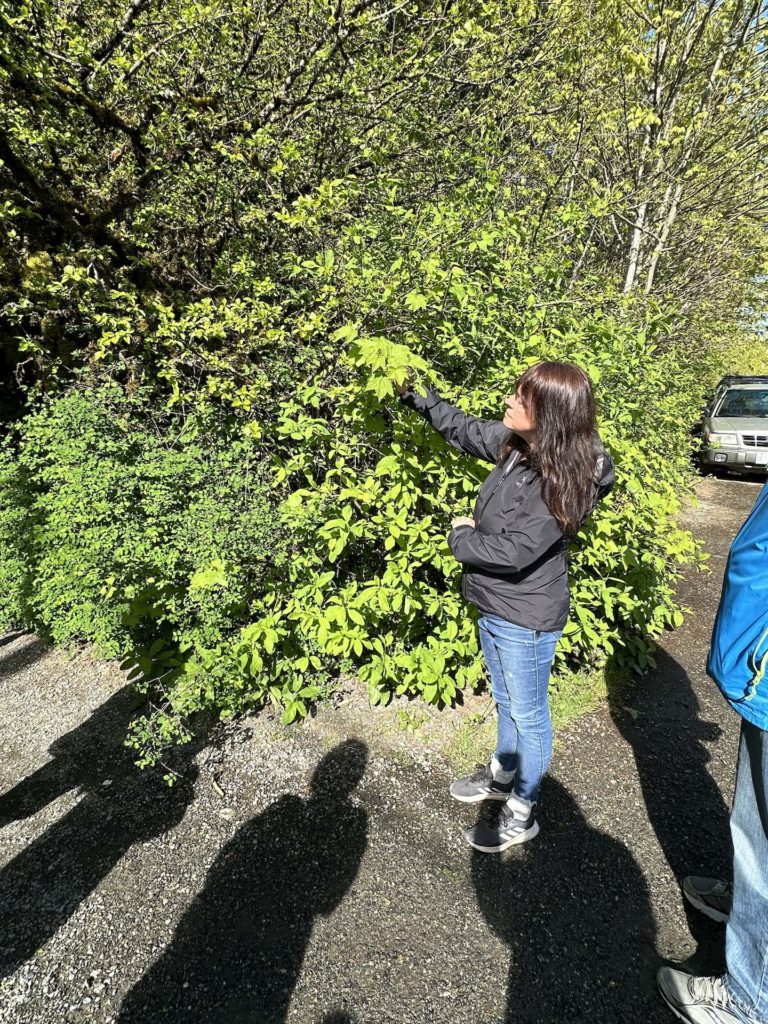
x: 17, y: 658
x: 85, y: 757
x: 574, y: 910
x: 659, y: 716
x: 237, y: 952
x: 118, y: 806
x: 11, y: 637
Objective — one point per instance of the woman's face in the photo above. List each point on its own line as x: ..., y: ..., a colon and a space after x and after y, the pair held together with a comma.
x: 516, y: 415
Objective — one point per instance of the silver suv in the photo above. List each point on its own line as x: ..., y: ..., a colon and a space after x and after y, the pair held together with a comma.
x: 735, y: 426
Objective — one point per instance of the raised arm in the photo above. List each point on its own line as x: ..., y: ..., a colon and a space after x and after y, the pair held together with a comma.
x: 468, y: 434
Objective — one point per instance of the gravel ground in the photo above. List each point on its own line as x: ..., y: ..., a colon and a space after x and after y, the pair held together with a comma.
x: 319, y: 875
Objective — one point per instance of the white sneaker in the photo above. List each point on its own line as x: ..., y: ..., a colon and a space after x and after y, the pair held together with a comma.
x: 697, y: 1000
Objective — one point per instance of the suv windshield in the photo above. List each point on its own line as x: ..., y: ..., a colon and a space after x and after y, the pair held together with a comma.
x: 741, y: 402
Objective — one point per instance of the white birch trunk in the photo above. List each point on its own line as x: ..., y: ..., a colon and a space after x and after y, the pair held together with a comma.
x: 671, y: 203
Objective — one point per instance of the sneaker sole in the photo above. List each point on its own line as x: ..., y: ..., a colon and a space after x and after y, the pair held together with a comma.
x: 523, y: 837
x: 673, y: 1006
x: 479, y: 797
x: 704, y: 908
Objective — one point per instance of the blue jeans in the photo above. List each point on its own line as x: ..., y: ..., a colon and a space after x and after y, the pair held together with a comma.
x: 519, y: 661
x: 746, y: 938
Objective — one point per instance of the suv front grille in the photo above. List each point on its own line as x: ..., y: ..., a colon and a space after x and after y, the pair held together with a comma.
x: 755, y: 440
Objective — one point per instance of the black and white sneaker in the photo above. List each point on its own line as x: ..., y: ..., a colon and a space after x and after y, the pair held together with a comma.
x: 481, y: 786
x: 709, y: 895
x: 517, y: 824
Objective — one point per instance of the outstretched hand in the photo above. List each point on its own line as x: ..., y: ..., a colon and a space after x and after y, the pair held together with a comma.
x: 407, y: 382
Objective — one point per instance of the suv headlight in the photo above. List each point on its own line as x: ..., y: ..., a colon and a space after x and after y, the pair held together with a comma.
x: 723, y: 439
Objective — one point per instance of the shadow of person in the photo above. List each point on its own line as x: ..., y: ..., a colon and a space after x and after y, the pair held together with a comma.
x: 237, y: 952
x: 85, y: 757
x: 44, y: 884
x: 574, y: 909
x: 19, y: 651
x: 659, y: 718
x: 11, y: 637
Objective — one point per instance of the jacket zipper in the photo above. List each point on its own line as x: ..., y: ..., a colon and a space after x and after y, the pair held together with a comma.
x: 513, y: 462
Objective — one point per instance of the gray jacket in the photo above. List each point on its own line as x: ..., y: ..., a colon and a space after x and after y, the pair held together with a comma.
x: 515, y: 560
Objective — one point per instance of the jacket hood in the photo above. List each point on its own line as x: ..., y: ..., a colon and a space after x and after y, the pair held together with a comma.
x: 605, y: 473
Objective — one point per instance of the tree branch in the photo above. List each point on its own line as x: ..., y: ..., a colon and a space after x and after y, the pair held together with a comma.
x: 111, y: 43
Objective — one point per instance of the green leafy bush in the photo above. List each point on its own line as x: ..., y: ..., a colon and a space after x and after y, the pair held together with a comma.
x: 263, y: 515
x: 150, y: 537
x: 468, y: 311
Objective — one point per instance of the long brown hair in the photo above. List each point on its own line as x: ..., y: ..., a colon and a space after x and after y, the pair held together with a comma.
x: 560, y: 401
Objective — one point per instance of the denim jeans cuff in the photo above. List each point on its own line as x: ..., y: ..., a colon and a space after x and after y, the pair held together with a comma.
x: 736, y: 996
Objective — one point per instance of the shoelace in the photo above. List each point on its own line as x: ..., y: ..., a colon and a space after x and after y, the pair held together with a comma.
x: 480, y: 775
x: 714, y: 991
x: 508, y: 818
x: 722, y: 889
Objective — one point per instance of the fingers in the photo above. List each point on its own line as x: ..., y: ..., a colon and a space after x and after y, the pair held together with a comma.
x: 407, y: 382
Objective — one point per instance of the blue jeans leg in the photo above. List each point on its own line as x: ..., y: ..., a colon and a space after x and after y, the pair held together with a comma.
x: 746, y: 938
x: 519, y: 661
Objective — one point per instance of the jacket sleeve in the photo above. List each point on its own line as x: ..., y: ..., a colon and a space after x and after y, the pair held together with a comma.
x: 505, y: 552
x: 468, y: 434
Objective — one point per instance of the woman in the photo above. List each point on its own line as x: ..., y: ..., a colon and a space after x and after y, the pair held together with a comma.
x: 551, y: 470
